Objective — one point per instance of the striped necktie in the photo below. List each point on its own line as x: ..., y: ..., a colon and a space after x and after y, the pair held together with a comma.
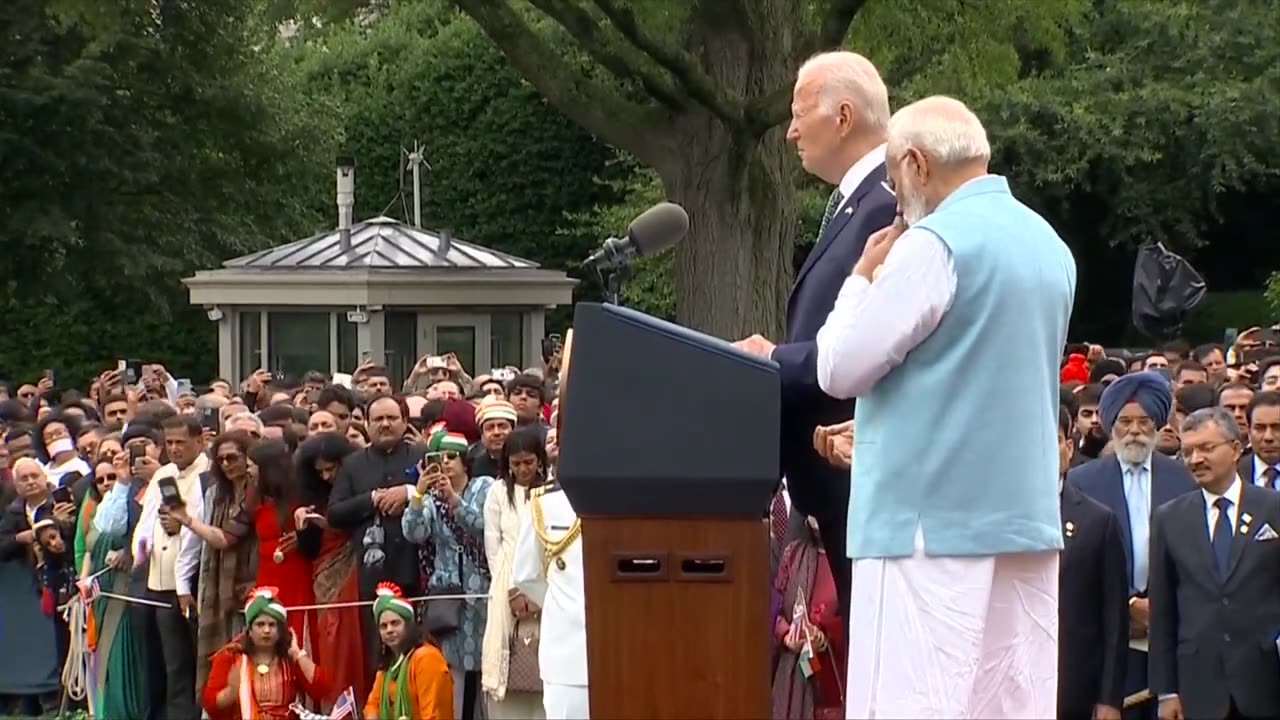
x: 833, y: 204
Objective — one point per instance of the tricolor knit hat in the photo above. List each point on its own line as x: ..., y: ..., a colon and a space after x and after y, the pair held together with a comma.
x: 495, y: 409
x: 390, y: 598
x: 443, y: 441
x: 264, y: 600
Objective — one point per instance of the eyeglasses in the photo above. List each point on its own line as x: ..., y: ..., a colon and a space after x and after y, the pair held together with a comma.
x: 1143, y: 423
x: 446, y: 455
x: 1202, y: 450
x: 229, y: 459
x: 110, y: 477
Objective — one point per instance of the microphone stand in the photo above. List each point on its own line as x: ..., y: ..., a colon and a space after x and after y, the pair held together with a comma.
x: 612, y: 281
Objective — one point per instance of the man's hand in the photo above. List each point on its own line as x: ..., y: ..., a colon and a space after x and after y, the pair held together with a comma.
x: 451, y: 362
x: 44, y: 386
x: 257, y: 381
x: 1171, y: 709
x: 1105, y: 712
x: 187, y: 605
x: 877, y: 249
x: 391, y: 501
x: 1140, y: 618
x: 756, y: 345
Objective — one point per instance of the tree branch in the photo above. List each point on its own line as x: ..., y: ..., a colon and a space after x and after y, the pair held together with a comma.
x: 587, y: 33
x: 769, y: 109
x: 679, y: 63
x: 598, y: 109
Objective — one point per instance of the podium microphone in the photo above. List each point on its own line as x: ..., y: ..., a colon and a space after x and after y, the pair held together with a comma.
x: 653, y: 231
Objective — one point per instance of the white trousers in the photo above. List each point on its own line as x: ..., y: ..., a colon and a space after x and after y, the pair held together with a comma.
x: 565, y: 702
x: 954, y: 637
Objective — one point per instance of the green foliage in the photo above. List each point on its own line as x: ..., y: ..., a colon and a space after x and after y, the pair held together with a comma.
x: 1273, y: 294
x: 507, y: 171
x: 139, y: 145
x: 1159, y: 109
x: 1223, y: 310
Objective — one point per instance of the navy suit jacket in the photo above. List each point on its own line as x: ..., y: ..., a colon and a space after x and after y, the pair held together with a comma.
x: 1103, y: 480
x: 817, y: 488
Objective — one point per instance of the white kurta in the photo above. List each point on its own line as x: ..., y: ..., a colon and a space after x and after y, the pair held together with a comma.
x: 933, y: 637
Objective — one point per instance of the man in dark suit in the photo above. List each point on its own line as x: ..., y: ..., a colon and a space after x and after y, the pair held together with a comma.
x: 1215, y: 585
x: 1261, y: 465
x: 1131, y: 483
x: 1093, y: 592
x: 840, y: 114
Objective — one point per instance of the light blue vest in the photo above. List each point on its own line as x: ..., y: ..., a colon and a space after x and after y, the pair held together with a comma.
x: 961, y: 438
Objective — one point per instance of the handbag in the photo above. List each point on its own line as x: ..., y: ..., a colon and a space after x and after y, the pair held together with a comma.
x: 522, y: 660
x: 442, y: 617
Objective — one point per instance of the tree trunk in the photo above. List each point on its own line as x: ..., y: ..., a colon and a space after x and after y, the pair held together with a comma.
x: 733, y: 272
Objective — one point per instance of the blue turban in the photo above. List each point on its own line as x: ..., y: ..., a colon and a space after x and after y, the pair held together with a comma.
x: 1149, y: 389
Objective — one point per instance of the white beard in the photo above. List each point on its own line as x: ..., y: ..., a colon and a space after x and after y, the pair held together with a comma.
x: 914, y: 207
x: 1136, y: 451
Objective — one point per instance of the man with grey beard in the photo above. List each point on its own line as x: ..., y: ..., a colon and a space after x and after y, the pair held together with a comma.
x: 1132, y: 483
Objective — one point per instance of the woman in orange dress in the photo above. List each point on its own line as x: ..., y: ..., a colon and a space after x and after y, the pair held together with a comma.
x: 336, y: 636
x: 262, y: 672
x: 414, y: 680
x: 281, y: 562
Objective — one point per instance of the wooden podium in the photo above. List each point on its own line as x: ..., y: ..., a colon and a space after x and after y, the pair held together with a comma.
x: 669, y: 454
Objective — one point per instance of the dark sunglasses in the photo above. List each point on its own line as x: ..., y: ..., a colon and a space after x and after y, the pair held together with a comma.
x: 447, y: 455
x: 110, y: 477
x: 228, y: 459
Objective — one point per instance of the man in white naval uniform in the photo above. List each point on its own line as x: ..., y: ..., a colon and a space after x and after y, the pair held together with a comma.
x: 547, y: 568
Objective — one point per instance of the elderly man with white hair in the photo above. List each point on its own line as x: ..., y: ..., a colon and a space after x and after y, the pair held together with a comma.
x: 840, y: 111
x: 953, y: 319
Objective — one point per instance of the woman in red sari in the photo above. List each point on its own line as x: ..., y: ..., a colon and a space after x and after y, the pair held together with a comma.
x: 263, y: 671
x: 281, y: 562
x: 807, y: 624
x: 336, y: 637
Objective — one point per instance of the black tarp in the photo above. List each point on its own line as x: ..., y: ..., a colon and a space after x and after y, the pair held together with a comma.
x: 1165, y: 291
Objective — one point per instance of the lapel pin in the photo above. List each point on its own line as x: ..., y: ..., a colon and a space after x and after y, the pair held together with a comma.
x: 848, y: 210
x: 1246, y: 518
x: 1070, y: 528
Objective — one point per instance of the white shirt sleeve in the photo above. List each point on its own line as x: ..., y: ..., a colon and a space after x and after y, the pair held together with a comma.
x: 189, y: 548
x: 873, y: 326
x: 142, y: 534
x: 527, y: 574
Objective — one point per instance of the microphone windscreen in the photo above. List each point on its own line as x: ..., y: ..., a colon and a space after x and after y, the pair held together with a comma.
x: 658, y: 228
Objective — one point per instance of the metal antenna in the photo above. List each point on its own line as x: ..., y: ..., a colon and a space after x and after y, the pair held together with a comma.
x: 417, y: 160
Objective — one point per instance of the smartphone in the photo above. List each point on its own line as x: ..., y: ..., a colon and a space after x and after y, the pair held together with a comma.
x: 209, y: 418
x: 136, y: 453
x: 1229, y: 337
x: 62, y: 495
x: 169, y: 494
x: 185, y: 386
x: 49, y: 374
x: 1164, y: 372
x: 132, y: 371
x: 502, y: 374
x: 436, y: 361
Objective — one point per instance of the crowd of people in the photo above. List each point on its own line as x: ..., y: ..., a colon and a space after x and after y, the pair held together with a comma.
x: 242, y: 548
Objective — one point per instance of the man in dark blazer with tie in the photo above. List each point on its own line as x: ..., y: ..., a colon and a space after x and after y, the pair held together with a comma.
x: 1093, y: 593
x: 1261, y: 465
x: 840, y: 115
x: 1132, y: 482
x: 1215, y: 585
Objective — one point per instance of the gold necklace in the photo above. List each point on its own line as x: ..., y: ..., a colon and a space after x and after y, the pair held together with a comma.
x: 551, y: 549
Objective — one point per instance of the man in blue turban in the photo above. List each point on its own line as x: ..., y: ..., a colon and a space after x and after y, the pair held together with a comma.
x: 1133, y: 481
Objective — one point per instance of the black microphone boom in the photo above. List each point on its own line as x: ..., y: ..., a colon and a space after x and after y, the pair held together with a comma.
x: 653, y: 231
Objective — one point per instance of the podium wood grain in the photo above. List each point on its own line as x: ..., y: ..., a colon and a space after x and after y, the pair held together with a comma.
x: 687, y: 639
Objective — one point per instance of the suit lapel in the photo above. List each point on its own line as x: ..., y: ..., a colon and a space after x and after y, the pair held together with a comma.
x: 1194, y: 517
x: 1116, y: 487
x: 843, y: 215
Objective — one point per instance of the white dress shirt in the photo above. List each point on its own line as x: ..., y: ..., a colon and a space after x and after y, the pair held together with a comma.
x: 172, y: 563
x: 1211, y: 511
x: 1260, y: 467
x: 873, y: 326
x: 854, y: 176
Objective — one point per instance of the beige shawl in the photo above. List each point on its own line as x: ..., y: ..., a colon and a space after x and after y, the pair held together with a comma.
x: 501, y: 523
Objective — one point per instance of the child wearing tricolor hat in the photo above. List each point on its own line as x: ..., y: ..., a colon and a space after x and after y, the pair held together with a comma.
x: 413, y: 678
x: 258, y: 675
